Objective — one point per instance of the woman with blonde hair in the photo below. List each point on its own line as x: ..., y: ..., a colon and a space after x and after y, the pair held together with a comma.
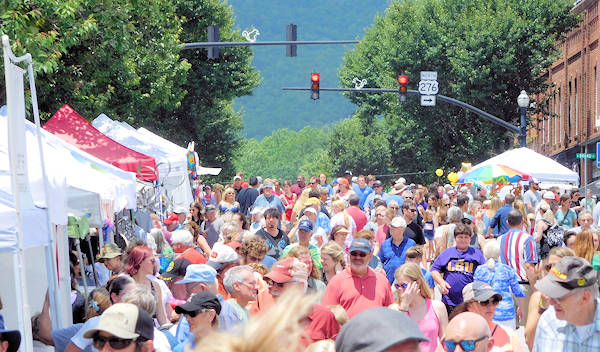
x: 341, y: 217
x: 228, y: 203
x: 584, y: 245
x: 217, y: 192
x: 415, y: 298
x: 495, y: 204
x: 333, y: 259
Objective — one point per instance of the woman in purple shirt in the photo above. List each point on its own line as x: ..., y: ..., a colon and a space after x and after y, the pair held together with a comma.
x: 455, y: 266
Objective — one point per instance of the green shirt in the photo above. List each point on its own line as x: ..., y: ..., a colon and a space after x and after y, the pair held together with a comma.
x: 314, y: 253
x: 596, y: 261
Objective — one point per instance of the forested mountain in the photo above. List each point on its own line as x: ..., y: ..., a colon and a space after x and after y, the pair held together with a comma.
x: 270, y: 108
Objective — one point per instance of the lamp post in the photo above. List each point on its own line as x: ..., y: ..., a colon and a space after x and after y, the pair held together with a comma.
x: 523, y: 101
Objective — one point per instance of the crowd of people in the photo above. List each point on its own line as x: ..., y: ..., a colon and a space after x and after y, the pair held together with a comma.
x: 347, y: 265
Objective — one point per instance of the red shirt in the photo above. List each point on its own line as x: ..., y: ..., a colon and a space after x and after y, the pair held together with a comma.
x: 356, y: 294
x: 359, y: 216
x: 297, y: 189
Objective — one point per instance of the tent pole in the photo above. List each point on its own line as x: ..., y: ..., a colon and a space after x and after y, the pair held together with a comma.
x: 89, y: 242
x: 51, y: 267
x: 82, y: 269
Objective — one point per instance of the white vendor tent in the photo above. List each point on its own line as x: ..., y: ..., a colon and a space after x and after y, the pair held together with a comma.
x: 168, y: 144
x: 171, y: 161
x: 540, y: 167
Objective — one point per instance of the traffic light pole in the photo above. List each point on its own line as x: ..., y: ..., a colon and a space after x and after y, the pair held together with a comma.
x: 283, y: 42
x: 520, y: 130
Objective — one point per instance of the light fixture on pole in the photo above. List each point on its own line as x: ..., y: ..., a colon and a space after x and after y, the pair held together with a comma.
x: 523, y: 101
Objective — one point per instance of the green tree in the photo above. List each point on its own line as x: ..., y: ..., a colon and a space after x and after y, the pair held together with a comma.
x: 360, y: 148
x: 285, y: 154
x: 206, y: 114
x: 485, y: 53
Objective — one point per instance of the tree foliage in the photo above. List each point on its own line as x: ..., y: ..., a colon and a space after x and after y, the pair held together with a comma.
x: 485, y: 53
x: 124, y: 58
x: 286, y: 153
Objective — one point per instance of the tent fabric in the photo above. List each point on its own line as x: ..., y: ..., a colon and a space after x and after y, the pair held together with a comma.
x: 74, y: 129
x: 172, y: 162
x: 66, y: 167
x: 168, y: 144
x: 540, y: 167
x: 35, y: 231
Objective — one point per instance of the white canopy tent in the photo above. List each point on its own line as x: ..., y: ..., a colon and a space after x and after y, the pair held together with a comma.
x: 171, y: 161
x: 540, y: 167
x: 168, y: 144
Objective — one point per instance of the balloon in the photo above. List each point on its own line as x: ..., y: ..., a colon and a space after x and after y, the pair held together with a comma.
x: 453, y: 177
x: 465, y: 167
x: 439, y: 172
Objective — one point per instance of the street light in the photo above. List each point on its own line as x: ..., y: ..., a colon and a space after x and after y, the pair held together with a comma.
x: 523, y: 101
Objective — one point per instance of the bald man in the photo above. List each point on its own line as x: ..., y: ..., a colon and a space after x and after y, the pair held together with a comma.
x: 467, y: 329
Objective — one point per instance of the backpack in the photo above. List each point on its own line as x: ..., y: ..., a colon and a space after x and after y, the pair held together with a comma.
x: 552, y: 237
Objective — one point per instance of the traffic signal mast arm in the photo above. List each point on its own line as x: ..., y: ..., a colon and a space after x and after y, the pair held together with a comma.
x: 464, y: 105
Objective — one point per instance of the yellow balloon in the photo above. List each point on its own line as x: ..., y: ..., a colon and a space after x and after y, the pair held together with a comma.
x: 439, y: 172
x: 453, y: 177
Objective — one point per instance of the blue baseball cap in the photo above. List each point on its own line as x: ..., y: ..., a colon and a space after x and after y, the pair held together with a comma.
x: 305, y: 225
x: 360, y: 244
x: 199, y: 273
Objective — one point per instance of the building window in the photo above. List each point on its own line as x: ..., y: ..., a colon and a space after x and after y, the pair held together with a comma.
x: 576, y: 103
x: 570, y: 110
x: 560, y: 119
x: 596, y: 97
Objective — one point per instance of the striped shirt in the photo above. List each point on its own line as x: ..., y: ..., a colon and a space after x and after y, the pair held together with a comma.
x: 516, y: 249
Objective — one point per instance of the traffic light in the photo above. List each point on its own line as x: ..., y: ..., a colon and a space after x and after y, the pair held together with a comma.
x: 403, y: 80
x: 314, y: 85
x: 213, y: 36
x: 291, y: 36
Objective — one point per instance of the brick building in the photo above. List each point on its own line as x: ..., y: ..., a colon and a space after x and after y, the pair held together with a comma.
x: 574, y: 123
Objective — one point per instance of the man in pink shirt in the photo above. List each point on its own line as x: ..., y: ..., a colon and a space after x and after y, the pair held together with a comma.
x: 358, y: 287
x: 359, y: 216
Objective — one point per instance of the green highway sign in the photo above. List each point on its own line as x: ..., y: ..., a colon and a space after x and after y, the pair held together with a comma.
x: 585, y: 155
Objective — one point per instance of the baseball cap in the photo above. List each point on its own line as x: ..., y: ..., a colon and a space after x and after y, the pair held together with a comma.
x: 125, y: 321
x: 377, y: 183
x: 172, y: 217
x: 310, y: 210
x: 198, y: 273
x: 401, y: 180
x: 343, y: 181
x: 348, y: 172
x: 398, y: 221
x: 177, y: 268
x: 209, y: 208
x: 549, y: 195
x: 305, y: 225
x: 534, y: 180
x: 392, y: 329
x: 312, y: 201
x: 288, y: 269
x: 108, y: 251
x: 479, y: 291
x: 568, y: 274
x: 360, y: 244
x: 13, y: 337
x: 180, y: 210
x: 268, y: 185
x: 198, y: 301
x: 237, y: 178
x: 221, y: 254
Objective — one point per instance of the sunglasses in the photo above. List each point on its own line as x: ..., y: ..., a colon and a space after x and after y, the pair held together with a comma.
x: 408, y: 197
x: 493, y: 301
x: 114, y: 342
x: 466, y: 221
x: 401, y: 286
x: 358, y: 254
x: 272, y: 283
x: 413, y: 210
x: 193, y: 314
x: 447, y: 204
x: 466, y: 345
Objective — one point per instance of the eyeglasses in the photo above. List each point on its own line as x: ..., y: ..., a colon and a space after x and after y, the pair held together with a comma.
x: 408, y: 197
x: 467, y: 345
x: 249, y: 284
x: 466, y: 221
x: 413, y: 210
x: 358, y: 254
x: 493, y: 301
x: 272, y: 283
x: 114, y: 342
x: 401, y: 286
